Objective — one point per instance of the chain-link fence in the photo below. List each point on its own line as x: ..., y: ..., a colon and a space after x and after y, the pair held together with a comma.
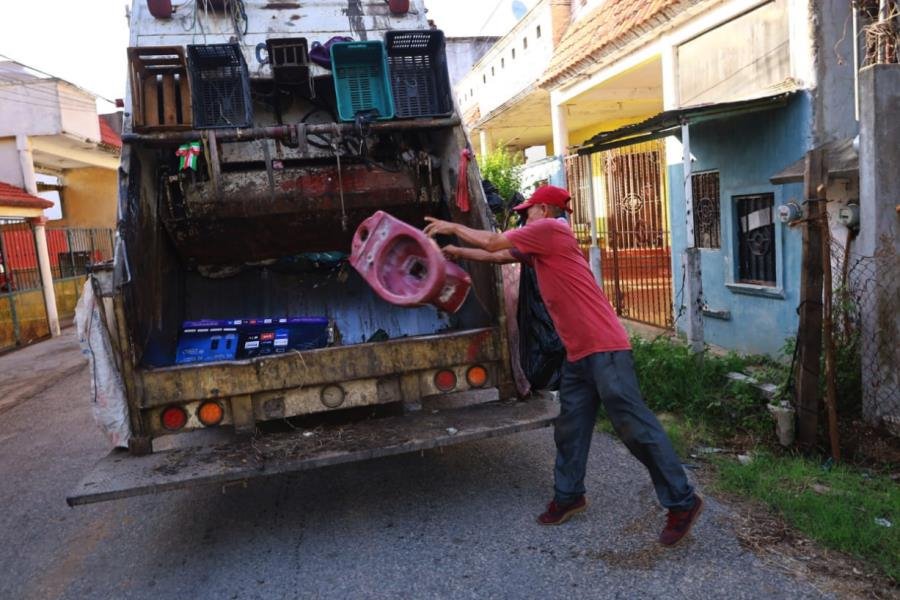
x: 866, y: 303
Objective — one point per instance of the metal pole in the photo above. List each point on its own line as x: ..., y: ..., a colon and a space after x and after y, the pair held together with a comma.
x: 592, y: 214
x: 828, y: 333
x: 882, y: 18
x: 691, y: 258
x: 854, y: 8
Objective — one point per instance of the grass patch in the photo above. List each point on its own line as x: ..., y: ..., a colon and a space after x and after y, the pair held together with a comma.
x: 837, y: 507
x: 695, y: 387
x: 685, y: 435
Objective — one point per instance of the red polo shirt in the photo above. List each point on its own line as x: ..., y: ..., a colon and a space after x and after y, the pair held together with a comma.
x: 584, y: 319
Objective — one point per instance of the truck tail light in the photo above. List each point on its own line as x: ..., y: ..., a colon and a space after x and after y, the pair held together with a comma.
x: 476, y: 376
x: 210, y: 413
x: 174, y: 418
x: 445, y: 380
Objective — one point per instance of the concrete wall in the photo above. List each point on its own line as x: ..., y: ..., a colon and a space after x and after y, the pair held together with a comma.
x: 879, y: 238
x: 834, y: 107
x: 463, y: 52
x: 10, y: 168
x: 746, y: 150
x: 89, y: 198
x: 499, y: 76
x: 30, y: 109
x: 78, y: 113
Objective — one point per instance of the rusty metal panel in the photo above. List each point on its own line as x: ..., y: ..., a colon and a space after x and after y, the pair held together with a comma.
x: 245, y: 457
x: 317, y: 367
x: 245, y: 219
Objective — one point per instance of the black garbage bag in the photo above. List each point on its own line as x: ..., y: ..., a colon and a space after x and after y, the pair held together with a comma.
x: 541, y: 352
x: 492, y: 196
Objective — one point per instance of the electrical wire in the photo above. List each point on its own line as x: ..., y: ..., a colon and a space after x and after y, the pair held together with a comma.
x: 96, y: 95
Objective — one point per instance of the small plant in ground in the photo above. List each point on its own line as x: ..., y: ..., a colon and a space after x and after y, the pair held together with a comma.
x: 842, y: 508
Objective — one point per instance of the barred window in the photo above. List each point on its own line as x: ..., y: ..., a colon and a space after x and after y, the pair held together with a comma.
x: 756, y: 239
x: 705, y: 192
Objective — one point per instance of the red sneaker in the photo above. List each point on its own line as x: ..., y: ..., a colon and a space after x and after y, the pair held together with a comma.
x: 557, y: 514
x: 679, y: 523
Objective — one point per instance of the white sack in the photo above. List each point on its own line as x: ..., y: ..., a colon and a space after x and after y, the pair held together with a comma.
x: 108, y: 400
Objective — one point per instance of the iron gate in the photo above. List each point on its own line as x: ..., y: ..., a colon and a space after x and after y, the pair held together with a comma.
x: 632, y: 225
x: 23, y: 316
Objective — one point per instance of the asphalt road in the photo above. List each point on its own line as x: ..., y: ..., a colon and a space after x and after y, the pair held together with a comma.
x: 451, y: 524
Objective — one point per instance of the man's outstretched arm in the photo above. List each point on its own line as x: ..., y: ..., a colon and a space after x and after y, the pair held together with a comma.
x: 500, y: 257
x: 486, y: 240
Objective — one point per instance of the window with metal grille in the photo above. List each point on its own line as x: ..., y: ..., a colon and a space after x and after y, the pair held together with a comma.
x: 756, y: 239
x: 705, y: 192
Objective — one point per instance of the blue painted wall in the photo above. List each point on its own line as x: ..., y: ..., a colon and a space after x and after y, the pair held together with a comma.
x: 746, y: 150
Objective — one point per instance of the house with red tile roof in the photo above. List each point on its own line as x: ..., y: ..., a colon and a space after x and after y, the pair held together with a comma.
x: 54, y: 144
x: 58, y: 198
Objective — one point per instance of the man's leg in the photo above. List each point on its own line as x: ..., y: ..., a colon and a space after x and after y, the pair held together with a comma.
x: 615, y: 380
x: 573, y: 430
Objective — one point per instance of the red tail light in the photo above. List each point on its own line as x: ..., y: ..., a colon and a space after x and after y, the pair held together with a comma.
x: 445, y: 380
x: 174, y: 418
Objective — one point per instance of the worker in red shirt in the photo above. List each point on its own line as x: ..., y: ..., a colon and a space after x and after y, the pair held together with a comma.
x: 598, y: 367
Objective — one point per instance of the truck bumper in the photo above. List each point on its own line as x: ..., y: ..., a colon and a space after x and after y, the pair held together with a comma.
x: 120, y: 475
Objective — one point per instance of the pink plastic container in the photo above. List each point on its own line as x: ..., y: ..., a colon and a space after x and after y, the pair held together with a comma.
x: 405, y: 267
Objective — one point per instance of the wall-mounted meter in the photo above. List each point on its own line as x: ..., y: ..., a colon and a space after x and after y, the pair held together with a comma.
x: 848, y: 216
x: 789, y: 212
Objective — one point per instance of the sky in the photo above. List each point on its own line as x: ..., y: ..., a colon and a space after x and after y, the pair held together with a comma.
x: 84, y: 41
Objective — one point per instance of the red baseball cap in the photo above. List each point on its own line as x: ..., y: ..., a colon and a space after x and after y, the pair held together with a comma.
x: 547, y: 194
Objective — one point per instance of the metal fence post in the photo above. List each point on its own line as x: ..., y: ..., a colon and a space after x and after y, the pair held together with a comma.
x: 71, y: 260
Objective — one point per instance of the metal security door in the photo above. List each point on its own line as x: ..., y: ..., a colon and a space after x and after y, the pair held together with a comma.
x: 634, y: 234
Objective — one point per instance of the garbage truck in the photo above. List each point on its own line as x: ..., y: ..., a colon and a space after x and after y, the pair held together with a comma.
x: 230, y: 338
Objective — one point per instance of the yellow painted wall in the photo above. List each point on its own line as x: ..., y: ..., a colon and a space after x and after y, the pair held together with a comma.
x: 31, y: 314
x: 89, y: 198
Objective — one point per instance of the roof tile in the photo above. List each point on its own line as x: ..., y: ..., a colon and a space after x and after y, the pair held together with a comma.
x: 610, y: 26
x: 16, y: 197
x: 108, y: 135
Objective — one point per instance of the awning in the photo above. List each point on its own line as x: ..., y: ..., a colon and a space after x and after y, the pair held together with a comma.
x: 841, y: 160
x: 670, y: 121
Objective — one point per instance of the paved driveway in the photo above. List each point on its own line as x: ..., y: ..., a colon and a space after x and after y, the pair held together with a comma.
x: 451, y: 524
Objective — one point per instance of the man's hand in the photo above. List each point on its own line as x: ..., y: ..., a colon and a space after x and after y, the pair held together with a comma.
x: 451, y: 251
x: 439, y: 227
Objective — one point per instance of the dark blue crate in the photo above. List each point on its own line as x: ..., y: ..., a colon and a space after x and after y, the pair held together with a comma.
x: 220, y: 86
x: 420, y: 82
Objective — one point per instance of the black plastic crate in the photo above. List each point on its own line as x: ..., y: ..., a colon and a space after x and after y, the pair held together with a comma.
x: 417, y: 60
x: 220, y: 86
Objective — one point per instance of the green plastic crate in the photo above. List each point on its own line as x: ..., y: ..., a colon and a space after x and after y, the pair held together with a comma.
x: 361, y: 81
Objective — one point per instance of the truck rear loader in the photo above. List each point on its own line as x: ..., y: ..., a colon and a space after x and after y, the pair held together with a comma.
x: 254, y: 145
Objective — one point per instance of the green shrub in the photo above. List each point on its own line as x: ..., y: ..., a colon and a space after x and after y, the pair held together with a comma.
x: 501, y: 167
x: 695, y: 386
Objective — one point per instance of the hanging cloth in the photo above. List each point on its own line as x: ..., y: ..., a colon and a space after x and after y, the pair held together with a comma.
x: 462, y: 182
x: 187, y: 154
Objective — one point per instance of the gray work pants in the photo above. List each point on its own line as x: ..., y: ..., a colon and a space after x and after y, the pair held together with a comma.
x: 609, y: 377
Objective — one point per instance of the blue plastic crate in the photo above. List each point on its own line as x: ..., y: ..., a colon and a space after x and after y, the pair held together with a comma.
x: 361, y: 82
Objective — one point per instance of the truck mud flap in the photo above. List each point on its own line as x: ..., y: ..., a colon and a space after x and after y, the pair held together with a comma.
x: 120, y: 475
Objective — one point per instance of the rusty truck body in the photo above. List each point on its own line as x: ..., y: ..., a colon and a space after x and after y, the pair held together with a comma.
x: 259, y: 229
